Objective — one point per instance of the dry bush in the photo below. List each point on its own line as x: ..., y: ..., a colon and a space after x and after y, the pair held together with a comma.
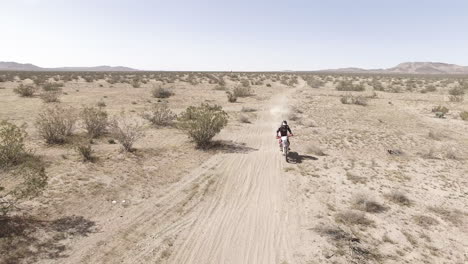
x: 243, y: 91
x: 232, y: 98
x: 425, y: 221
x: 203, y: 122
x: 34, y: 179
x: 159, y: 115
x: 456, y: 94
x: 26, y: 90
x: 160, y: 92
x: 52, y: 87
x: 85, y: 151
x: 56, y: 124
x: 399, y: 198
x: 127, y: 130
x: 244, y: 119
x: 95, y: 120
x: 351, y: 217
x: 245, y: 83
x: 464, y: 115
x: 349, y: 86
x: 363, y: 203
x: 357, y: 100
x: 429, y: 88
x: 50, y: 97
x: 314, y: 149
x: 12, y: 149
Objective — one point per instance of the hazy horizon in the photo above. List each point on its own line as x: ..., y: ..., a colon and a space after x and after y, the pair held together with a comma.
x: 239, y: 36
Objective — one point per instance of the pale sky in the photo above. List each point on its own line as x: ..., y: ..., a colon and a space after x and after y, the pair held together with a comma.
x: 235, y: 35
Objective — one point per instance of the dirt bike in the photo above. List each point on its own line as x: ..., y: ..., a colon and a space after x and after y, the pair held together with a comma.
x: 284, y: 146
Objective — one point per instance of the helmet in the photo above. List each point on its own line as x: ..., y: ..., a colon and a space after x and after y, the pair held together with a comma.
x: 284, y: 123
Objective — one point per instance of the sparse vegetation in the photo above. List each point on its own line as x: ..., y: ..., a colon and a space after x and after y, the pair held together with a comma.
x: 456, y: 94
x: 363, y: 203
x: 56, y: 124
x: 351, y: 217
x: 127, y: 130
x: 26, y: 90
x: 464, y: 115
x: 349, y: 86
x: 95, y: 121
x: 12, y: 148
x: 203, y: 122
x: 357, y: 100
x: 399, y: 198
x: 160, y: 92
x: 50, y: 97
x: 159, y: 115
x: 242, y: 91
x: 232, y: 98
x: 85, y: 151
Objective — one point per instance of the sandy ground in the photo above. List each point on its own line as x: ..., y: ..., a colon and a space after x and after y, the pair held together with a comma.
x: 243, y: 203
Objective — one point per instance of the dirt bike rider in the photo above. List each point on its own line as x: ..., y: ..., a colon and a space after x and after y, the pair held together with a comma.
x: 283, y: 131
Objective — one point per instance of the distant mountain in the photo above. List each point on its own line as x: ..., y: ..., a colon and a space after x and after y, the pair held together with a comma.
x: 412, y: 68
x: 14, y: 66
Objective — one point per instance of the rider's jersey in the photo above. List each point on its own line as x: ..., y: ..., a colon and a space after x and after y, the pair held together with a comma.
x: 284, y: 130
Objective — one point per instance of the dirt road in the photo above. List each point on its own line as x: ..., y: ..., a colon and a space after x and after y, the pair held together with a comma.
x: 234, y: 208
x: 248, y: 218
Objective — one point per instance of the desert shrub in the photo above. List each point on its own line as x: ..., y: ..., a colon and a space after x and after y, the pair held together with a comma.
x: 203, y: 122
x: 12, y: 149
x: 429, y: 88
x: 440, y: 111
x: 349, y: 86
x: 26, y: 90
x: 50, y: 97
x: 464, y: 115
x: 136, y: 83
x: 242, y: 91
x: 363, y: 203
x: 55, y: 124
x: 357, y: 100
x: 314, y: 83
x: 232, y: 98
x: 353, y: 218
x: 456, y: 94
x: 159, y: 115
x: 245, y: 83
x: 160, y: 92
x: 268, y: 85
x: 377, y: 85
x: 34, y: 179
x: 52, y: 87
x: 95, y: 120
x: 85, y: 151
x: 425, y: 221
x: 127, y: 131
x: 399, y: 198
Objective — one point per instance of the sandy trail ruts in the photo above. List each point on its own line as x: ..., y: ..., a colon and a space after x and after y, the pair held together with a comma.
x: 234, y: 208
x: 248, y: 219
